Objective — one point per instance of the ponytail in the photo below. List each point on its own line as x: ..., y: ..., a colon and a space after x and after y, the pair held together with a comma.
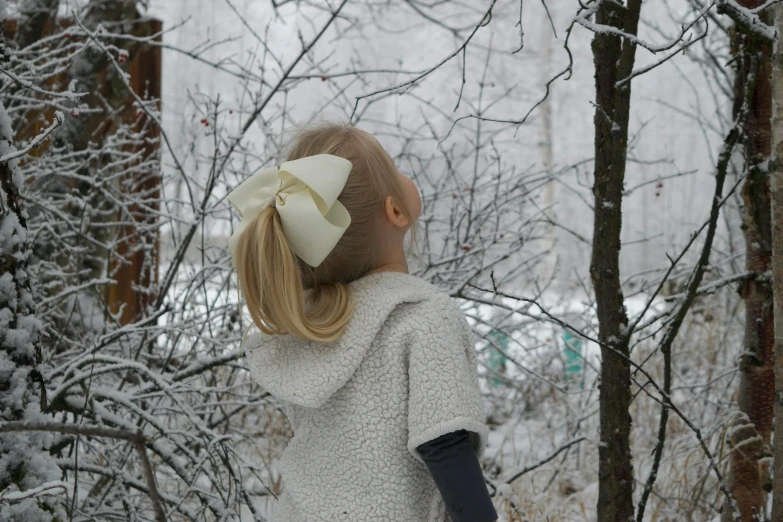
x: 274, y: 280
x: 270, y: 279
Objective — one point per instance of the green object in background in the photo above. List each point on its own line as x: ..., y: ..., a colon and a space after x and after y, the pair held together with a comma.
x: 573, y: 356
x: 497, y: 361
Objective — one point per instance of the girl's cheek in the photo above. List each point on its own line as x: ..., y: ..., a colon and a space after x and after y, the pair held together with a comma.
x: 411, y: 191
x: 416, y: 196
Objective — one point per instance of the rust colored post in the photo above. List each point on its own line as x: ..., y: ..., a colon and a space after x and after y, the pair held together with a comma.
x: 144, y: 67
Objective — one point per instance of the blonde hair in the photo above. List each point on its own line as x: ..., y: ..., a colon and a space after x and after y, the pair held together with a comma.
x: 273, y: 280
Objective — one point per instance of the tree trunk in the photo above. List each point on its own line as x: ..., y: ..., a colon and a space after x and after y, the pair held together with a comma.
x: 614, y: 58
x: 776, y: 188
x: 749, y: 436
x: 547, y: 152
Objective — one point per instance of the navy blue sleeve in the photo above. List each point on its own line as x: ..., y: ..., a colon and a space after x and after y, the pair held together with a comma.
x: 453, y: 463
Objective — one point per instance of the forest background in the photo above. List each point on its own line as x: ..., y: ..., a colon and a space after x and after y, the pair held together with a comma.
x: 602, y: 195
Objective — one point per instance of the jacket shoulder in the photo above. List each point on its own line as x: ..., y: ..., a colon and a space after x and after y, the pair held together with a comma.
x: 438, y: 311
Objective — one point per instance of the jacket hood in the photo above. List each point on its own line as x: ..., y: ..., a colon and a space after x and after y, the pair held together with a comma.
x: 307, y: 372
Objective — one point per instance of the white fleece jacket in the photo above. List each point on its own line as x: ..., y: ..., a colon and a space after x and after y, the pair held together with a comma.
x: 403, y: 373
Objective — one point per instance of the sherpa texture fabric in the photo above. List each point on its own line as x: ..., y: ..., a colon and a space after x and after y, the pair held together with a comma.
x: 403, y: 373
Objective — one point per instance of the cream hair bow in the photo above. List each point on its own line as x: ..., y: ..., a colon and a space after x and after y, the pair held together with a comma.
x: 304, y: 191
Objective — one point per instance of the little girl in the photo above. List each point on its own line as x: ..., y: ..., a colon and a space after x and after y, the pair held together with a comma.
x: 375, y: 368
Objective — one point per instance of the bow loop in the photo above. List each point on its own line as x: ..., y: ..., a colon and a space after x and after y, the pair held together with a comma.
x: 304, y: 192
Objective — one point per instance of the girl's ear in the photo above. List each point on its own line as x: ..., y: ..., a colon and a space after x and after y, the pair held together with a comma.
x: 394, y: 214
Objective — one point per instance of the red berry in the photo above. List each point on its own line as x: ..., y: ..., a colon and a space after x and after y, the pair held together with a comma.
x: 501, y: 236
x: 657, y: 194
x: 323, y: 78
x: 659, y: 185
x: 67, y: 35
x: 466, y: 248
x: 231, y: 111
x: 75, y: 113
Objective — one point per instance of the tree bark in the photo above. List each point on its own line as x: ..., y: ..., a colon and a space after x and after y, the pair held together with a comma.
x: 614, y: 58
x: 749, y: 435
x: 546, y: 147
x: 776, y: 188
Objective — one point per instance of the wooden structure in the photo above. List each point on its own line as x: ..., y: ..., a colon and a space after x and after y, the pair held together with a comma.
x: 134, y: 269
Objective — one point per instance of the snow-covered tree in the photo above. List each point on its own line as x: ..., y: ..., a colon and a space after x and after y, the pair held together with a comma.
x: 30, y: 481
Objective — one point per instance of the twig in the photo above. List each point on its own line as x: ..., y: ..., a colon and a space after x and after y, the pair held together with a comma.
x: 36, y: 142
x: 693, y: 288
x: 483, y: 22
x: 540, y: 463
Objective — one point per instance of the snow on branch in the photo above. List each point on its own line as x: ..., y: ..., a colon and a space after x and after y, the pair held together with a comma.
x: 55, y: 487
x: 36, y: 142
x: 749, y: 19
